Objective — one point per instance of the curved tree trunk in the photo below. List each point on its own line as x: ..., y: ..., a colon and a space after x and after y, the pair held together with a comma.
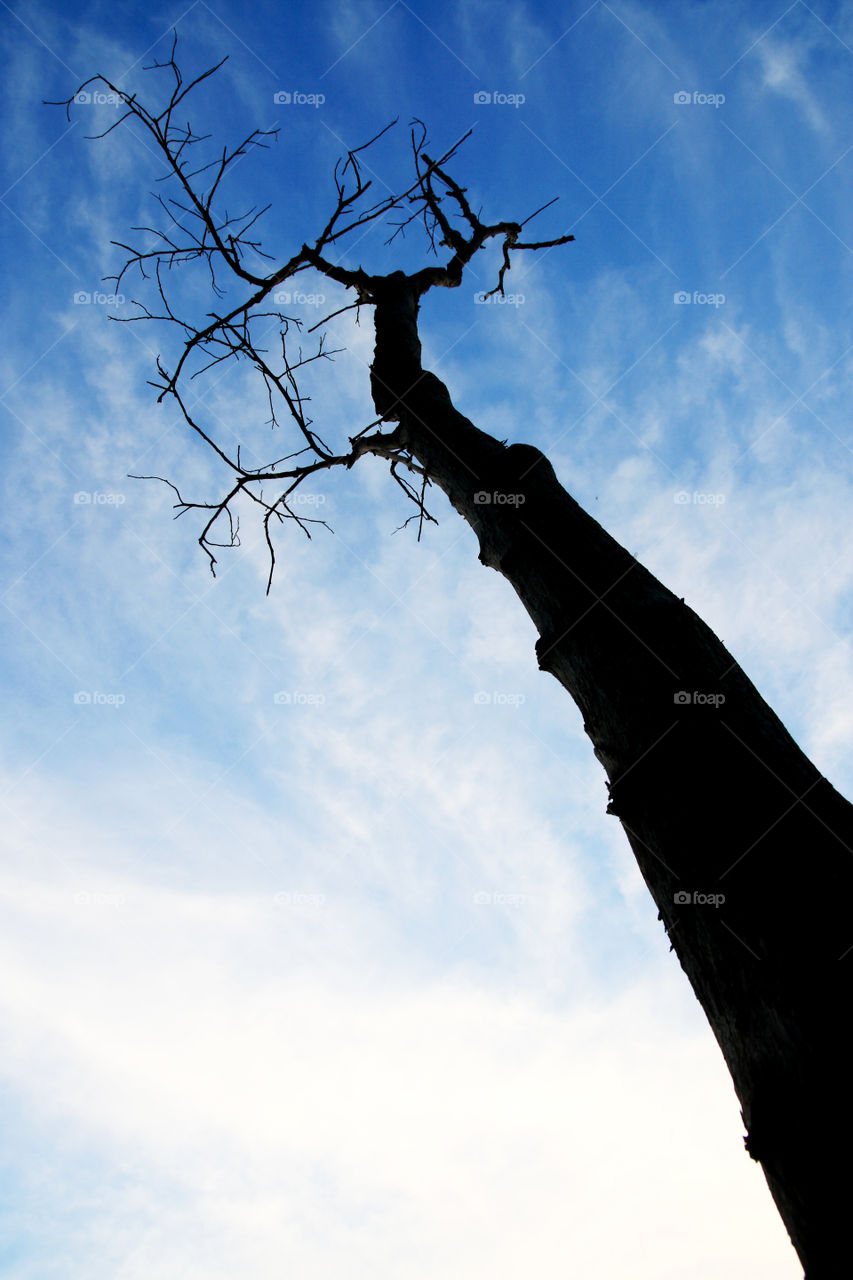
x: 744, y: 845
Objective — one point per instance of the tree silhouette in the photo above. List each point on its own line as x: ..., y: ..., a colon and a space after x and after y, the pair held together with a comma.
x: 745, y: 847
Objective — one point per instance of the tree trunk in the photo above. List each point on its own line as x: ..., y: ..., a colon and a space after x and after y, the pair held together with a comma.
x: 744, y: 845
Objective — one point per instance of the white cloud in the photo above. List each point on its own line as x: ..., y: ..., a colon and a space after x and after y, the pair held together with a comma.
x: 782, y: 71
x: 376, y: 1072
x: 317, y: 1114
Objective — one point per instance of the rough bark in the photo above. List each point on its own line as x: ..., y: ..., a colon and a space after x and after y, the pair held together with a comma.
x: 714, y: 795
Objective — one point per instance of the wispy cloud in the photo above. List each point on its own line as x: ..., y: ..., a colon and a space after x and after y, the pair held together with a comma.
x: 325, y: 953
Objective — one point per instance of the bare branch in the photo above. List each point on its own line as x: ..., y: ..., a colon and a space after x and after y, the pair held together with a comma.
x: 198, y: 228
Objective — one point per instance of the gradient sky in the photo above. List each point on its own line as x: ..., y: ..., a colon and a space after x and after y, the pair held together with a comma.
x: 320, y: 954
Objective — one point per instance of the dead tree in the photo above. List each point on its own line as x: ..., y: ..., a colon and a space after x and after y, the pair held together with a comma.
x: 714, y: 795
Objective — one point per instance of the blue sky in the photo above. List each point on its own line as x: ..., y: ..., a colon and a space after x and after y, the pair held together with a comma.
x: 361, y: 979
